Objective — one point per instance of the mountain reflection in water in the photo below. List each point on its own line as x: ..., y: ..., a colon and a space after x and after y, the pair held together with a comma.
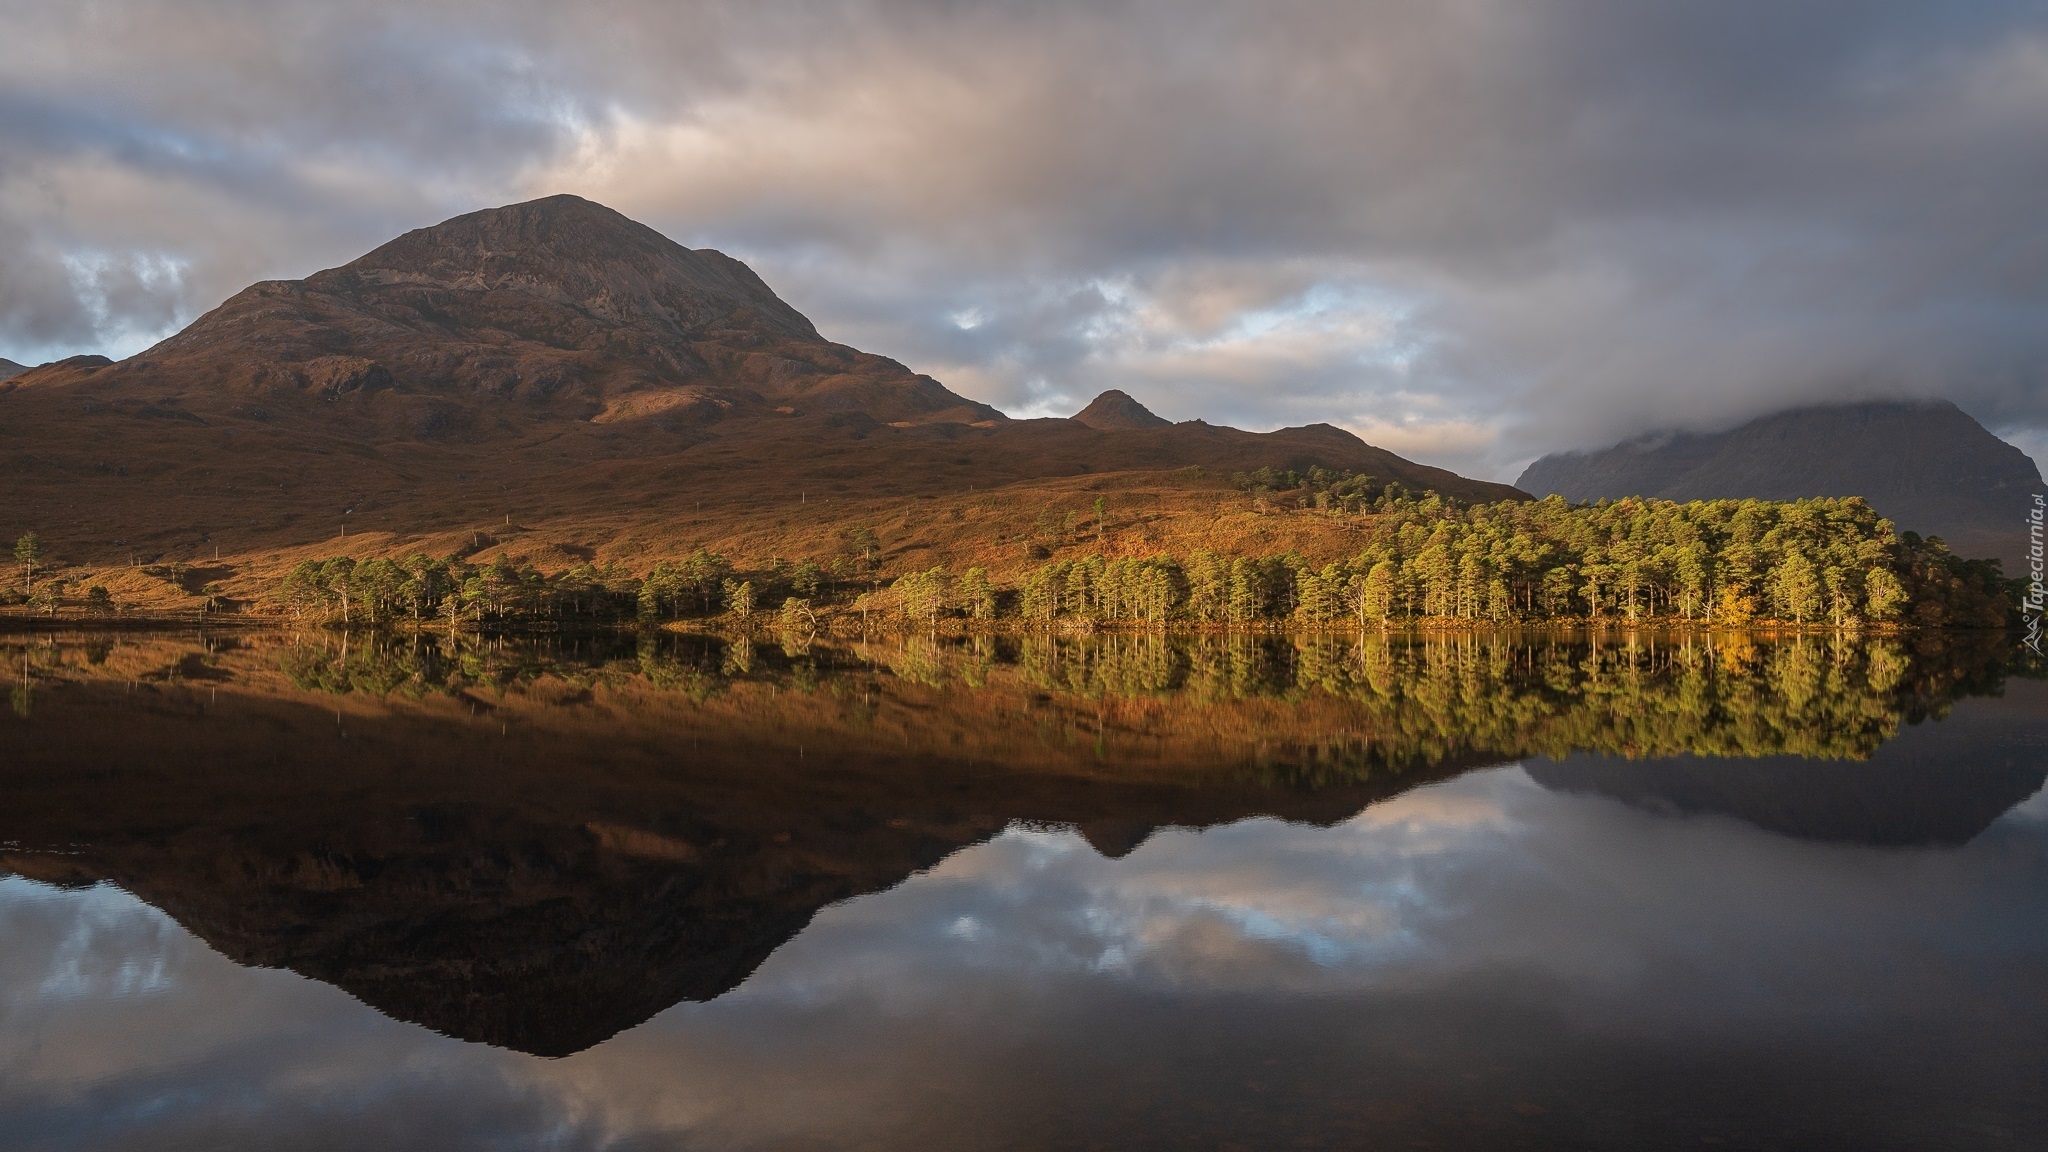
x: 541, y: 844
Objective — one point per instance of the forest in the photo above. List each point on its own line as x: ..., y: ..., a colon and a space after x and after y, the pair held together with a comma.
x: 1424, y: 561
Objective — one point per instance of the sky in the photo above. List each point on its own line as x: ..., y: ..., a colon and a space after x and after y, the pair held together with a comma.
x: 1472, y: 231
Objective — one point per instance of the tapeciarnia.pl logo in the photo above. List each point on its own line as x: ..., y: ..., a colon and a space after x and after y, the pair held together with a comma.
x: 2037, y: 596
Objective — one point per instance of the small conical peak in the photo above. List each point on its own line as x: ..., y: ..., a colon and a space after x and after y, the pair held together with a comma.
x: 1115, y: 411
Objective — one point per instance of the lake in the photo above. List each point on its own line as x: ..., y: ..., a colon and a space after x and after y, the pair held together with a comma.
x: 1118, y: 891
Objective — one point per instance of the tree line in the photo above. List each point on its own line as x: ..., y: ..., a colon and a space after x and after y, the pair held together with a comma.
x: 1830, y: 562
x: 1425, y: 560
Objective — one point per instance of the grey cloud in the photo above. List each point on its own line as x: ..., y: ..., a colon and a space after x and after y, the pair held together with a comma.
x: 1587, y: 216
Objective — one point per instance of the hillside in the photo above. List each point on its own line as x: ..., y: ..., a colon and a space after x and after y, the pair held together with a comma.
x: 9, y: 369
x: 1928, y: 467
x: 556, y: 369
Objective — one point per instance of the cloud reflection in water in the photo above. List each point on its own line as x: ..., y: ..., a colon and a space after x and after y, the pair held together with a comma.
x: 1478, y: 959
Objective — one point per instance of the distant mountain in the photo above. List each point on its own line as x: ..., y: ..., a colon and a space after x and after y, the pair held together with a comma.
x: 9, y: 368
x: 1115, y: 411
x: 1927, y: 466
x: 557, y: 360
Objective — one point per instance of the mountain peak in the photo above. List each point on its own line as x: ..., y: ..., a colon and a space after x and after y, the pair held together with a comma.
x: 1116, y: 411
x: 1925, y: 464
x: 571, y: 251
x: 559, y: 302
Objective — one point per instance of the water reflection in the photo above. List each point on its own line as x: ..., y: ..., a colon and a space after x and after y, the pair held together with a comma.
x: 1135, y: 893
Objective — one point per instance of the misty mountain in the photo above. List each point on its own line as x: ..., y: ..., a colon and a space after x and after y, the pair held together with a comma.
x: 9, y: 368
x: 1927, y: 466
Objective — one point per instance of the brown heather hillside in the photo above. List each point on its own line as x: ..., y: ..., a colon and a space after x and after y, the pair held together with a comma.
x: 554, y: 379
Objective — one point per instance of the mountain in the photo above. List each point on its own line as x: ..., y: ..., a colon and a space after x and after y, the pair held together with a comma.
x: 1115, y: 411
x: 558, y: 301
x: 9, y: 369
x: 1927, y: 466
x: 616, y: 394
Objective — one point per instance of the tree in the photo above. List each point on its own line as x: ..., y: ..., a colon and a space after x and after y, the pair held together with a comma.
x: 50, y: 596
x: 925, y: 594
x: 796, y: 613
x: 27, y: 550
x: 1208, y: 586
x: 1794, y: 588
x: 739, y: 598
x: 1692, y: 579
x: 1246, y: 603
x: 805, y: 579
x: 376, y: 583
x: 334, y: 581
x: 662, y: 592
x: 705, y: 572
x: 1883, y: 595
x: 302, y: 587
x: 1379, y: 593
x: 1317, y: 594
x: 453, y: 606
x: 866, y: 547
x: 98, y: 601
x: 977, y: 595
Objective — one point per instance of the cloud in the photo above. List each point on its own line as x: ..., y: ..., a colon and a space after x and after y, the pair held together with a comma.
x: 1476, y: 229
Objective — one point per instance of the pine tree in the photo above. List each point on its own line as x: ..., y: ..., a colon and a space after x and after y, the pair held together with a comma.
x: 27, y: 551
x: 1884, y: 596
x: 977, y: 595
x: 739, y: 599
x: 1382, y: 589
x: 1795, y: 590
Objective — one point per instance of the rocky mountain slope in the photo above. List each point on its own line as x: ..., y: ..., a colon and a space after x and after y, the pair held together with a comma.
x: 559, y: 303
x: 9, y: 369
x: 1928, y: 466
x: 559, y: 365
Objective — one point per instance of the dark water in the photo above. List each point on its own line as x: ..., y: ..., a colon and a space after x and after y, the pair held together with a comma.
x: 1113, y: 893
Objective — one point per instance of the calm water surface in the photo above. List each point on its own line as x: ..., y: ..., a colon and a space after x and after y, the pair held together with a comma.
x: 1127, y: 892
